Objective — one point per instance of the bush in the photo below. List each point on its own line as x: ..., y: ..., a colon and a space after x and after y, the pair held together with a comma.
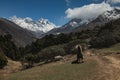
x: 3, y: 59
x: 8, y: 47
x: 100, y: 42
x: 50, y: 52
x: 70, y: 47
x: 104, y: 39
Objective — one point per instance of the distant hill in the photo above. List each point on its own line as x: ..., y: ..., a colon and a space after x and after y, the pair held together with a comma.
x: 20, y: 36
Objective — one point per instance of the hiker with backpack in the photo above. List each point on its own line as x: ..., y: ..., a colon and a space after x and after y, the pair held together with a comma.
x: 79, y: 54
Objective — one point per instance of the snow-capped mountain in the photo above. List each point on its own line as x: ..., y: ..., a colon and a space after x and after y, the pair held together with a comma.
x: 38, y: 27
x: 79, y: 24
x: 20, y: 36
x: 100, y: 20
x: 114, y: 14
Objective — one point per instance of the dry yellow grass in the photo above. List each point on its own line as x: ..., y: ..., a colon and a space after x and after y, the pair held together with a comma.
x: 62, y: 70
x: 12, y: 66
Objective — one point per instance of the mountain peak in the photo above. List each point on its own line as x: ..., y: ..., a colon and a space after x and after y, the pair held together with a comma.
x: 112, y: 14
x: 43, y: 21
x: 20, y: 36
x: 37, y: 27
x: 77, y: 24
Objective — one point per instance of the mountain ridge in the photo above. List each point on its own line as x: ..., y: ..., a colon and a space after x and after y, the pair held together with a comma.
x: 36, y: 27
x: 88, y: 24
x: 20, y: 36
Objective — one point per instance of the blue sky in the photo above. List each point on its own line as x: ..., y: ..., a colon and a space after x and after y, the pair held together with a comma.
x: 54, y: 10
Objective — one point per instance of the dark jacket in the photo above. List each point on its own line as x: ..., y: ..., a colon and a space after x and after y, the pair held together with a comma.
x: 79, y: 54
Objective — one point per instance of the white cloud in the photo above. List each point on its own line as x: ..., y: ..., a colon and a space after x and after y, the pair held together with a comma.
x: 88, y: 11
x: 68, y: 2
x: 113, y: 1
x: 117, y: 7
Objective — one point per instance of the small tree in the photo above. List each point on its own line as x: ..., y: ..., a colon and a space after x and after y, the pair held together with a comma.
x: 3, y: 59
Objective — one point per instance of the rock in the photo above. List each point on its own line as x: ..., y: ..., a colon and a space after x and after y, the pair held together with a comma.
x: 58, y: 58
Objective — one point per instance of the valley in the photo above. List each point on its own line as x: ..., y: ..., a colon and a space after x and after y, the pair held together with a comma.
x: 36, y: 48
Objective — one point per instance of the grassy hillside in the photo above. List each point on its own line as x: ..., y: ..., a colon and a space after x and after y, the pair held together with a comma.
x: 95, y: 67
x: 59, y: 71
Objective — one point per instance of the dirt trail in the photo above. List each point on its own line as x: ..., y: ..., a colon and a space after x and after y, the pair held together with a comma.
x: 114, y: 61
x: 109, y: 67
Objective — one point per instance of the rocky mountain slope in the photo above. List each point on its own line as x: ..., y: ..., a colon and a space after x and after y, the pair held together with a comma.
x: 100, y: 20
x: 21, y: 37
x: 76, y: 25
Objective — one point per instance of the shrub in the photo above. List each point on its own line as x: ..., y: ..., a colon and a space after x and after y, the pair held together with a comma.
x: 3, y: 59
x: 8, y: 47
x: 104, y: 39
x: 30, y: 58
x: 101, y: 42
x: 50, y: 52
x: 70, y: 47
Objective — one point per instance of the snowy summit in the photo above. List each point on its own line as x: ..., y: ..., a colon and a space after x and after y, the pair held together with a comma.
x: 36, y: 27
